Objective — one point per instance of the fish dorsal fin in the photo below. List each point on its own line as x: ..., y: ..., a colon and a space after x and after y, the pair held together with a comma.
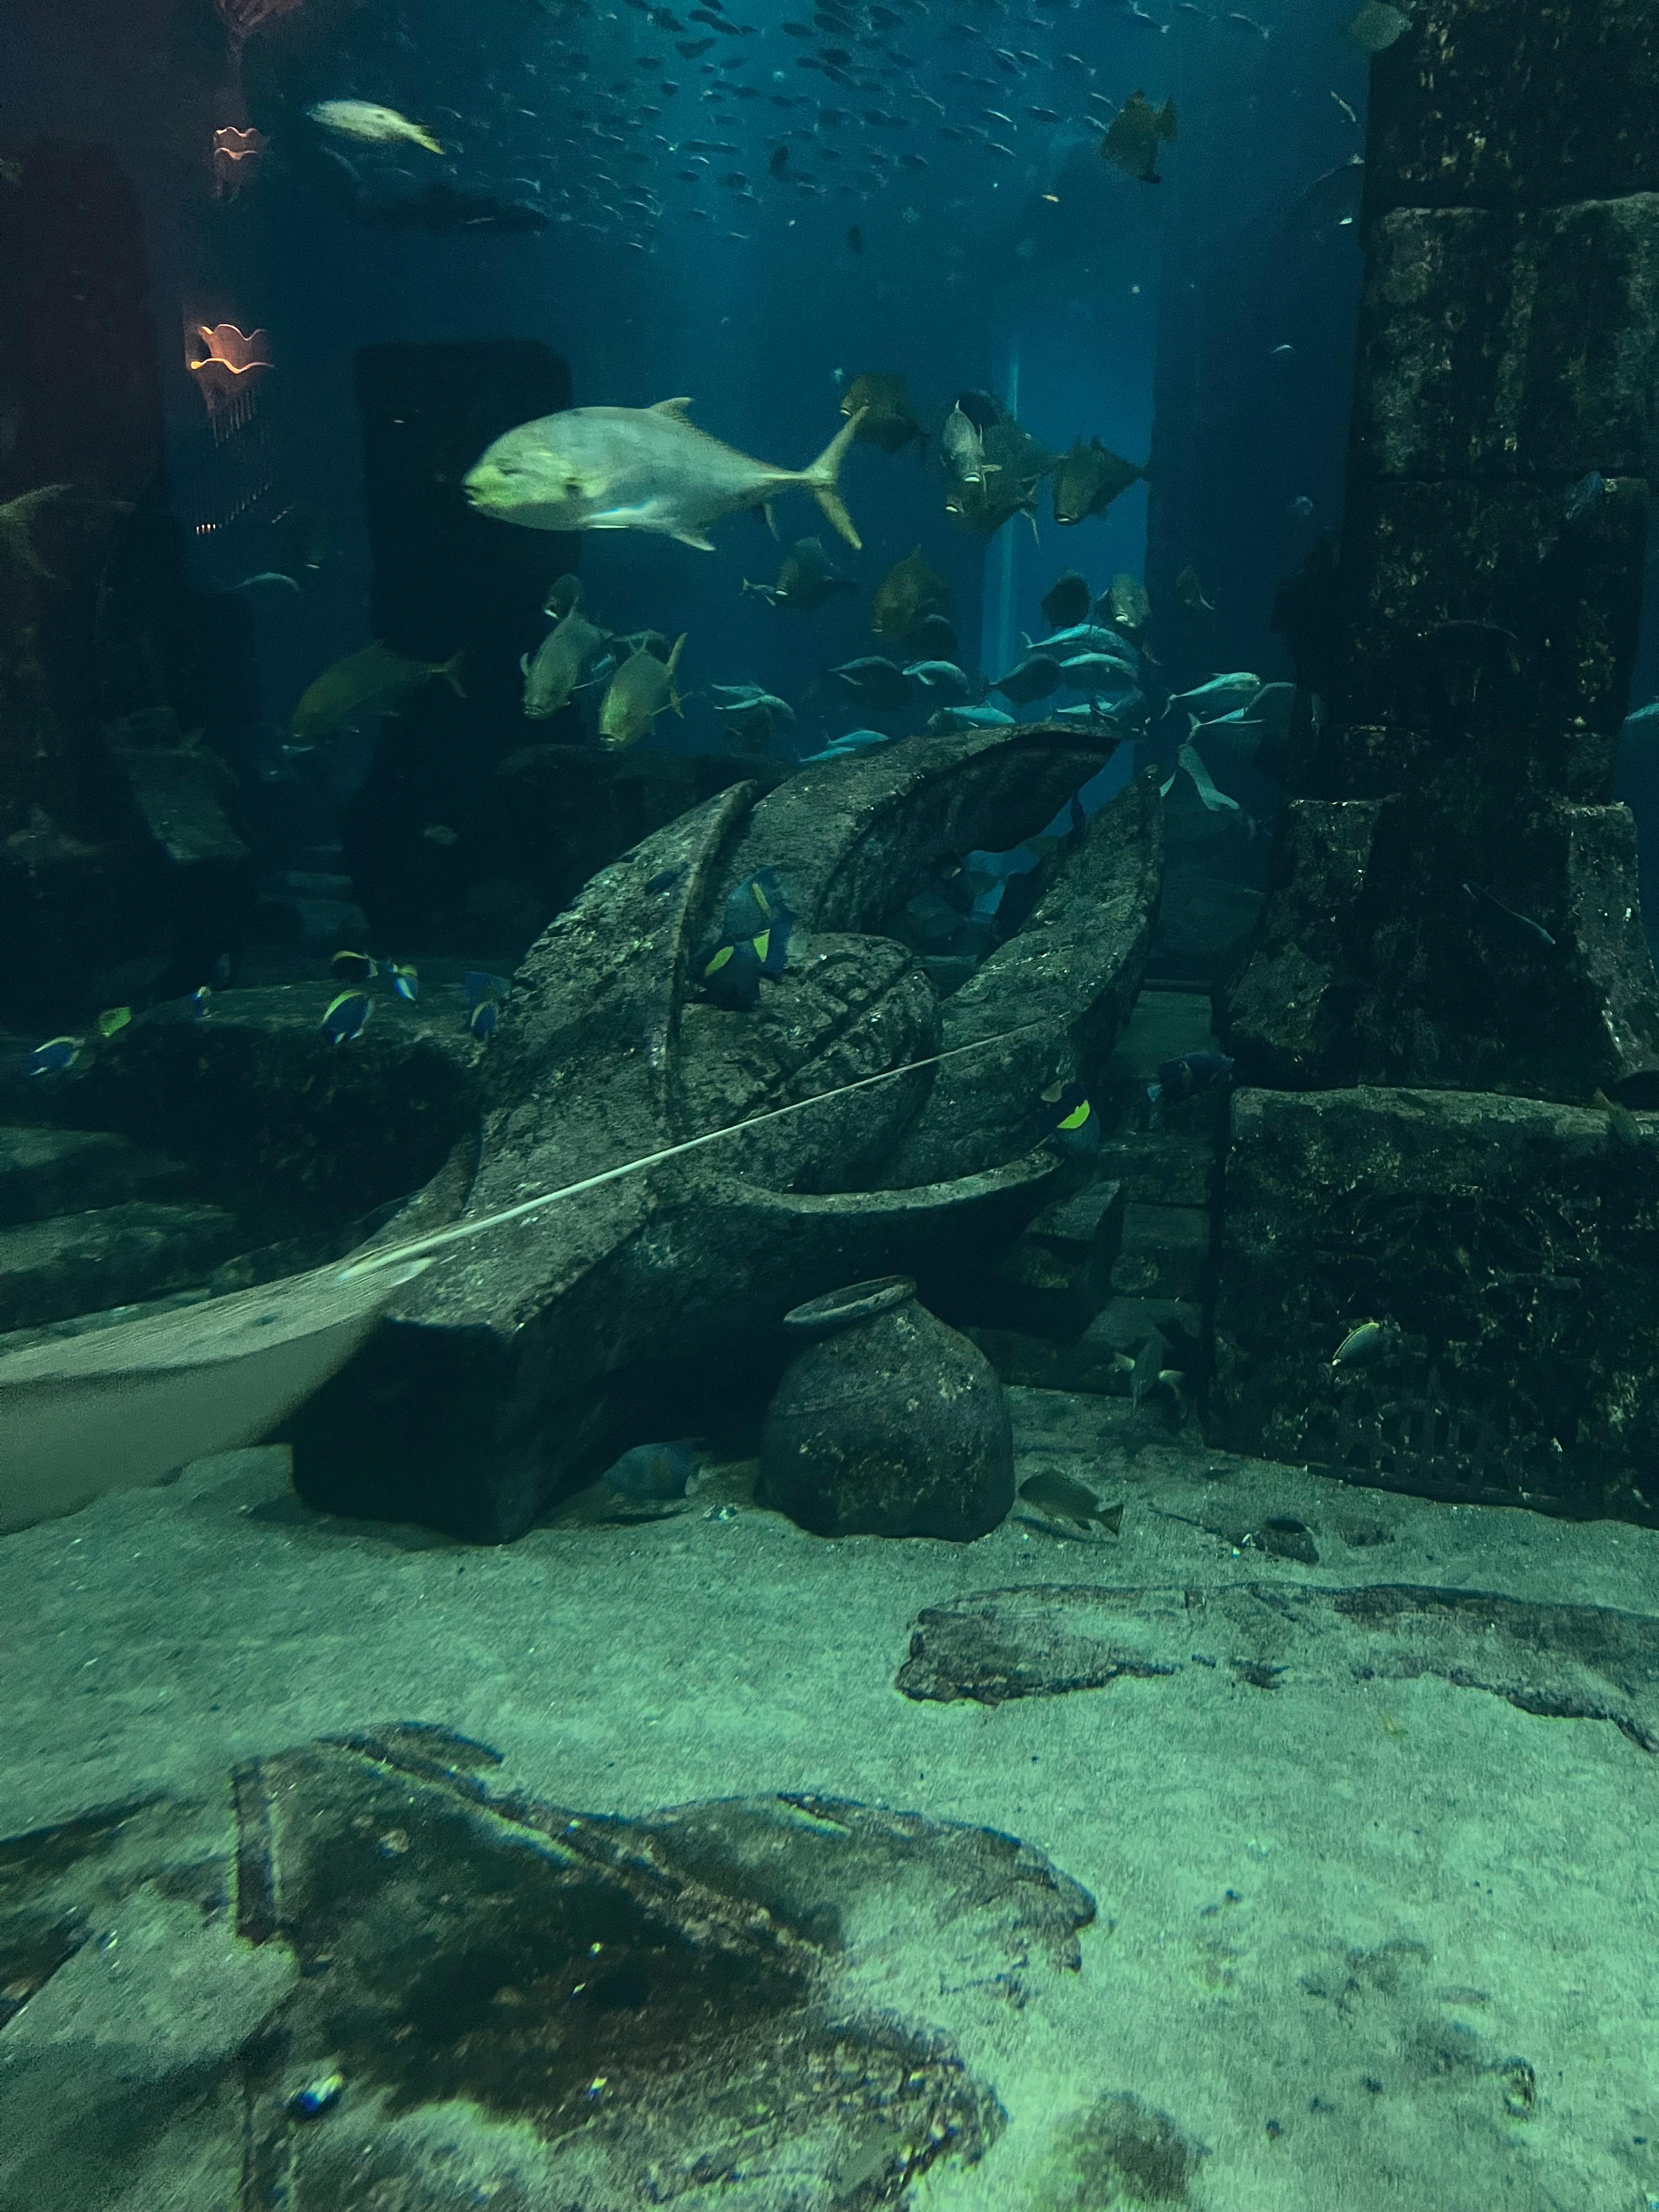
x: 676, y: 408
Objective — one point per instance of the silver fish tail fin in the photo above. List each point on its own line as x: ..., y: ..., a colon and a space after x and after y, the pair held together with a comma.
x: 823, y: 479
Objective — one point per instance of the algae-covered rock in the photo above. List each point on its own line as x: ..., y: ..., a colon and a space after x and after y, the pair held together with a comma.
x: 366, y: 1970
x: 1506, y: 1249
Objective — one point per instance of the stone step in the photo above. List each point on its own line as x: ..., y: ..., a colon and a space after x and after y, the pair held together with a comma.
x: 318, y: 925
x: 1038, y: 1363
x: 1086, y: 1226
x: 74, y: 1263
x: 1051, y: 1281
x: 302, y: 884
x: 1159, y: 1169
x: 1165, y: 1253
x: 47, y: 1171
x: 1087, y: 1366
x: 1123, y: 1325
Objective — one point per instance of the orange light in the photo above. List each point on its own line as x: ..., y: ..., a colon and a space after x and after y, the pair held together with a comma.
x: 226, y: 375
x: 233, y: 348
x: 239, y: 145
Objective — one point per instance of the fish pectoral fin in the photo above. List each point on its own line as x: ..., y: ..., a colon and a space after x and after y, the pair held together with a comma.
x: 770, y: 512
x: 693, y: 537
x: 678, y: 407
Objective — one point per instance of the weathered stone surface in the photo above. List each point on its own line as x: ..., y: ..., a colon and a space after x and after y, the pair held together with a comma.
x: 1051, y: 1280
x: 1155, y: 1169
x: 576, y: 2004
x: 45, y: 1171
x: 1285, y: 1013
x: 1510, y: 1247
x: 257, y: 1092
x: 1165, y: 1253
x: 1566, y: 96
x: 1375, y: 963
x: 1123, y: 1324
x: 1086, y: 1225
x: 74, y: 1263
x: 1481, y: 629
x: 1073, y: 972
x: 897, y: 809
x: 888, y: 1425
x: 1426, y: 559
x: 1566, y: 1662
x: 870, y: 994
x: 178, y: 796
x: 1545, y: 368
x: 512, y: 1367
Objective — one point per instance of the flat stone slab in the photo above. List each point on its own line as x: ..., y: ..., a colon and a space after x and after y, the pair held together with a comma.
x: 1159, y: 1169
x: 76, y: 1263
x: 1508, y: 1249
x: 1565, y: 1662
x: 46, y: 1171
x: 258, y: 1086
x: 579, y: 2004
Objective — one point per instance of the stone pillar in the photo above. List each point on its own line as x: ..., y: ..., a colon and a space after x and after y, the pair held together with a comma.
x: 1453, y: 899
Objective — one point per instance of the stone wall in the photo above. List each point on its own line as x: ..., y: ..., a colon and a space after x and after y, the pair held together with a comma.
x: 1454, y: 897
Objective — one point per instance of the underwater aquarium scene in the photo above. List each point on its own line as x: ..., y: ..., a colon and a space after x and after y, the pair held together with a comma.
x: 829, y: 1106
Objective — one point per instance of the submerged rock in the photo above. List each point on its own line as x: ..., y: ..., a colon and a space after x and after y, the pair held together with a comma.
x: 1504, y: 1250
x: 573, y: 2004
x: 514, y: 1368
x: 887, y: 1424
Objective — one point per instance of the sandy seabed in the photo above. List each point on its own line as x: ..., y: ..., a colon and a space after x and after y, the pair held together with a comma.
x: 1366, y: 1942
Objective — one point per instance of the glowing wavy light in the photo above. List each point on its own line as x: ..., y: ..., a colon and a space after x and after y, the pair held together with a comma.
x: 226, y: 375
x: 231, y: 348
x: 239, y: 145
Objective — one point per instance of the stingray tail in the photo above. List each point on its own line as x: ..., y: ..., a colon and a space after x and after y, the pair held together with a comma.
x: 823, y: 479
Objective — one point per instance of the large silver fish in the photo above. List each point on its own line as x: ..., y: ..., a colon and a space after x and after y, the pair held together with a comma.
x: 639, y: 468
x: 562, y: 660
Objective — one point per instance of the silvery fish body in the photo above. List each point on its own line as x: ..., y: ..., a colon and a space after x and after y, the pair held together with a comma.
x: 963, y: 444
x: 1089, y: 637
x: 560, y: 662
x: 1237, y: 684
x: 639, y: 691
x: 364, y: 119
x: 639, y: 468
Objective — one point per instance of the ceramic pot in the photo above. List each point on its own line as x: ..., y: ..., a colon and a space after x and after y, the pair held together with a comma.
x: 887, y: 1422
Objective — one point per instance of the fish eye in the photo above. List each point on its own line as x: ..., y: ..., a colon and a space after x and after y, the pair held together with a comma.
x: 572, y: 487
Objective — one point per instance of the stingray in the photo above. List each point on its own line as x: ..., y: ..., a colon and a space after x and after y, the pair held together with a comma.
x: 123, y: 1406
